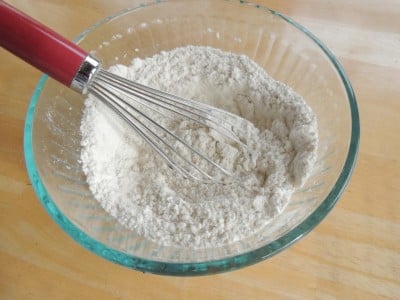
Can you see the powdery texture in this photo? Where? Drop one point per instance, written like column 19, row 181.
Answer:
column 142, row 193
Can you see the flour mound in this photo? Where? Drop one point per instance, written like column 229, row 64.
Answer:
column 139, row 189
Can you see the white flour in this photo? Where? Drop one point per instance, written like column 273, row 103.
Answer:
column 141, row 192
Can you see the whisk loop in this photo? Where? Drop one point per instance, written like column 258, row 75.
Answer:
column 141, row 106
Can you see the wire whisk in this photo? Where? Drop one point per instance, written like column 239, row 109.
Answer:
column 139, row 105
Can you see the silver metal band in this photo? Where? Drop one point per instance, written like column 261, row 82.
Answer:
column 85, row 74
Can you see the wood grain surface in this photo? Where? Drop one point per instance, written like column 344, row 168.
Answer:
column 353, row 254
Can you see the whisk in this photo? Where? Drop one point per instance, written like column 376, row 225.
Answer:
column 75, row 68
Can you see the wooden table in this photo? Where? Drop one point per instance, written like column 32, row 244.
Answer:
column 353, row 254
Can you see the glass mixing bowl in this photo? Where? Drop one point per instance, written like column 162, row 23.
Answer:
column 285, row 49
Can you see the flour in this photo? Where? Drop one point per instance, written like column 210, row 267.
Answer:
column 138, row 188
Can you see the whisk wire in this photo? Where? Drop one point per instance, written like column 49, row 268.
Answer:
column 187, row 108
column 124, row 109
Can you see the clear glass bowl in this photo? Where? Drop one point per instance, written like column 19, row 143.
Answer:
column 288, row 51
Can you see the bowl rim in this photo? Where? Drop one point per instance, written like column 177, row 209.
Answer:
column 213, row 266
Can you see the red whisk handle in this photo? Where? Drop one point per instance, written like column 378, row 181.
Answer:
column 38, row 45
